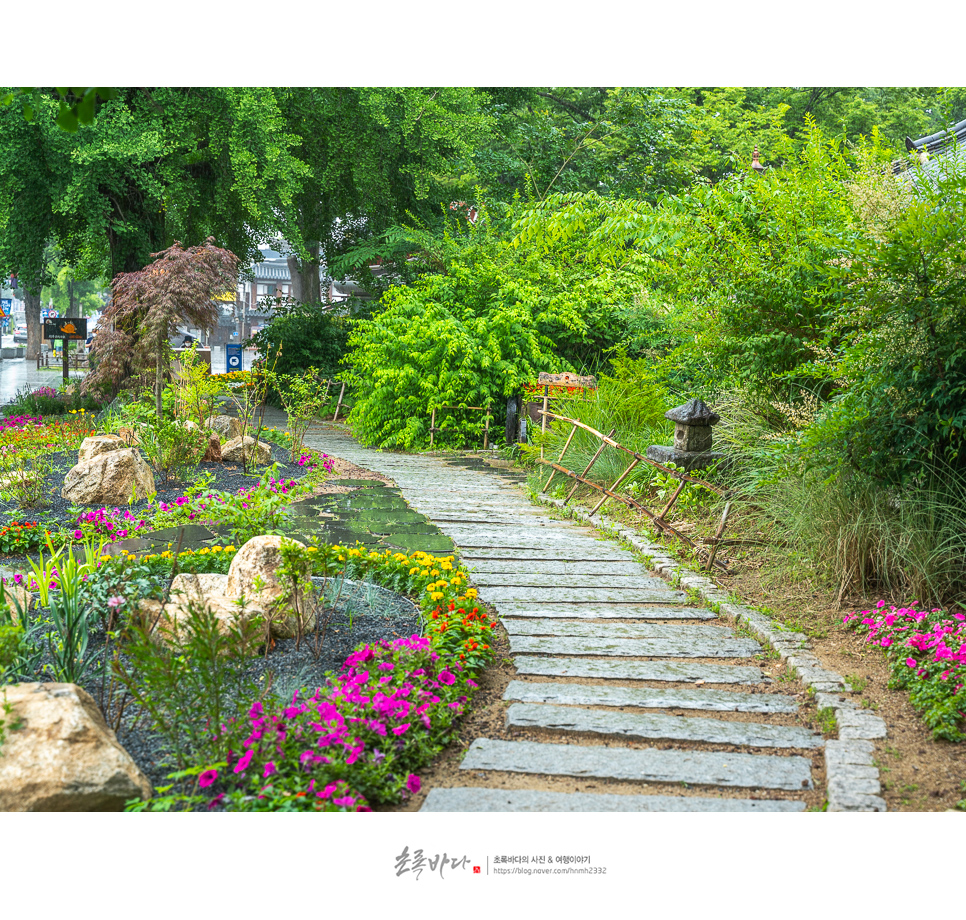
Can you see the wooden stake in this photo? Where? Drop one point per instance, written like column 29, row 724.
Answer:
column 432, row 429
column 339, row 406
column 570, row 437
column 674, row 498
column 717, row 536
column 486, row 428
column 613, row 488
column 543, row 424
column 593, row 460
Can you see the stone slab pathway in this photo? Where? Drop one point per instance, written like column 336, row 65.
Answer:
column 612, row 664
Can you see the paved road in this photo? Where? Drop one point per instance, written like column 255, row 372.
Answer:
column 619, row 679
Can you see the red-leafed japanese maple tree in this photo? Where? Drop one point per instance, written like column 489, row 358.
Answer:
column 180, row 286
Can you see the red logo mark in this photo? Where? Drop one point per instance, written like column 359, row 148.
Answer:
column 476, row 870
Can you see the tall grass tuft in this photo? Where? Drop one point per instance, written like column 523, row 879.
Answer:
column 860, row 534
column 631, row 401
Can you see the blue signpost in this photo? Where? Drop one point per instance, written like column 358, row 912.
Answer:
column 233, row 357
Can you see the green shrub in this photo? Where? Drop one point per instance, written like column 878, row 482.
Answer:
column 302, row 337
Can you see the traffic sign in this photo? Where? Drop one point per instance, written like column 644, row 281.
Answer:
column 7, row 303
column 233, row 357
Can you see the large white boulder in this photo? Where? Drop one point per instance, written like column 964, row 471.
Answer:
column 189, row 593
column 226, row 426
column 238, row 450
column 98, row 444
column 254, row 574
column 110, row 479
column 63, row 756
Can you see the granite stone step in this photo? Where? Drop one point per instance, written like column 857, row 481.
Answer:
column 565, row 694
column 595, row 611
column 659, row 671
column 554, row 567
column 634, row 648
column 682, row 632
column 538, row 579
column 475, row 799
column 707, row 768
column 600, row 552
column 655, row 595
column 659, row 725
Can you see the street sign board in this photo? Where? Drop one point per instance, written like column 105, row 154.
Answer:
column 71, row 330
column 7, row 304
column 233, row 356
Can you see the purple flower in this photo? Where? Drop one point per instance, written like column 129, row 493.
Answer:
column 269, row 769
column 243, row 763
column 207, row 778
column 78, row 534
column 413, row 783
column 446, row 677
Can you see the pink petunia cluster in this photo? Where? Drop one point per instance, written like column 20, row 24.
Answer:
column 937, row 638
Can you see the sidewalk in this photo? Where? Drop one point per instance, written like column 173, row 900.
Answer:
column 16, row 373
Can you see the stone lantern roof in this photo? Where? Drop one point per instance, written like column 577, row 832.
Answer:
column 694, row 412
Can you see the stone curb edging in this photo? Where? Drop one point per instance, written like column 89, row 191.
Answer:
column 852, row 778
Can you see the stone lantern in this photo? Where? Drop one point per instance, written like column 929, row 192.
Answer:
column 692, row 438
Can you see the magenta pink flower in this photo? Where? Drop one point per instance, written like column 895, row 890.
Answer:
column 400, row 729
column 207, row 778
column 243, row 763
column 269, row 770
column 413, row 783
column 911, row 662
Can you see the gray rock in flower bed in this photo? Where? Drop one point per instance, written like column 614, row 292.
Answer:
column 226, row 426
column 99, row 444
column 63, row 756
column 112, row 478
column 254, row 574
column 238, row 450
column 191, row 592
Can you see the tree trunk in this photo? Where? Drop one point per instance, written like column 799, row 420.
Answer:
column 32, row 317
column 305, row 275
column 73, row 308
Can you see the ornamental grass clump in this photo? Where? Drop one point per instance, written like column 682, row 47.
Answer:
column 927, row 653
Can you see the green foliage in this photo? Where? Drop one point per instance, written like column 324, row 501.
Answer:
column 302, row 337
column 760, row 271
column 903, row 364
column 189, row 692
column 474, row 336
column 172, row 449
column 29, row 402
column 25, row 477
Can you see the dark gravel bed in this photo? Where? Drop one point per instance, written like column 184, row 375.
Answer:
column 362, row 613
column 228, row 477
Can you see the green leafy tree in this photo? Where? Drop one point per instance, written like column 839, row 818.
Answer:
column 374, row 155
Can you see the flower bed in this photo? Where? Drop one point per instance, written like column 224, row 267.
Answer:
column 927, row 652
column 363, row 736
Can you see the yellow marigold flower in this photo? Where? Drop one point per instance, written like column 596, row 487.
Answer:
column 413, row 570
column 341, row 558
column 436, row 596
column 471, row 593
